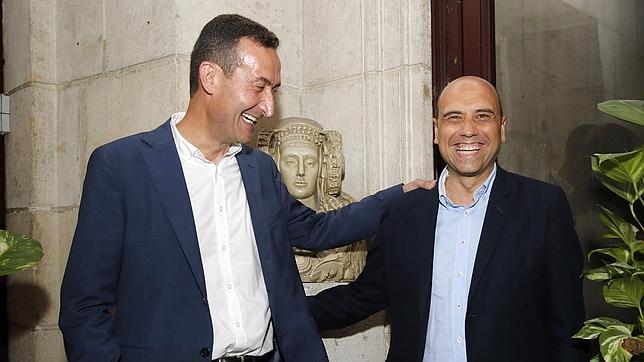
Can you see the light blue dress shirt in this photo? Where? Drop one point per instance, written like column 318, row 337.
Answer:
column 458, row 229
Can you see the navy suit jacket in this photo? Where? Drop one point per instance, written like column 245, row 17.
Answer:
column 525, row 300
column 134, row 285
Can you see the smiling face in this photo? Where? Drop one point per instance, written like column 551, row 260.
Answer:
column 469, row 129
column 239, row 100
column 299, row 164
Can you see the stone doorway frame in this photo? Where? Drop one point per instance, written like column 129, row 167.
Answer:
column 4, row 334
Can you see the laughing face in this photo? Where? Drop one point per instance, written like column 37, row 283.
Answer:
column 469, row 129
column 242, row 98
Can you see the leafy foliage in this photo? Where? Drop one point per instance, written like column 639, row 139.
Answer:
column 17, row 252
column 623, row 269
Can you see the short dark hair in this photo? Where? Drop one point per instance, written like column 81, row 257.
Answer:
column 218, row 43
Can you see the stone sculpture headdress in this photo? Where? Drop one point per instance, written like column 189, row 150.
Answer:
column 329, row 143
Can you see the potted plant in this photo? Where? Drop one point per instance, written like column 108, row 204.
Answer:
column 623, row 269
column 17, row 252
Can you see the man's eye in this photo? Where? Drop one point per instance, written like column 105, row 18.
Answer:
column 483, row 117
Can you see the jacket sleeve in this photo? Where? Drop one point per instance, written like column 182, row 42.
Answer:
column 326, row 230
column 564, row 303
column 343, row 305
column 90, row 283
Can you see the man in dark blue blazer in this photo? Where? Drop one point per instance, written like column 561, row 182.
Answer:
column 485, row 267
column 183, row 247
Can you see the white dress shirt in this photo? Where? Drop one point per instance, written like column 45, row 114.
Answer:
column 237, row 296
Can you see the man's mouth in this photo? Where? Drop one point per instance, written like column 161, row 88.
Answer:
column 249, row 119
column 467, row 148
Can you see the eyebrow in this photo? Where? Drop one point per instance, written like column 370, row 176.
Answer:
column 450, row 113
column 266, row 81
column 479, row 110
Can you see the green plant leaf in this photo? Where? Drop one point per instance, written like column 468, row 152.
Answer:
column 618, row 226
column 618, row 270
column 624, row 292
column 610, row 344
column 606, row 322
column 597, row 274
column 618, row 253
column 627, row 110
column 621, row 173
column 17, row 252
column 597, row 358
column 589, row 331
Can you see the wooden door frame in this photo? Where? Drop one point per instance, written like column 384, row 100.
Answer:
column 462, row 44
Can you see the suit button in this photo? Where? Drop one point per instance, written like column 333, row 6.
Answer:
column 205, row 301
column 205, row 352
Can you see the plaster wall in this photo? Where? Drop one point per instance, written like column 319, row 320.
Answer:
column 82, row 73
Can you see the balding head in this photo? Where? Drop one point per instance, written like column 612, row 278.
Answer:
column 455, row 86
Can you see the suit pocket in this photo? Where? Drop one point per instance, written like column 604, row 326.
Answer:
column 134, row 354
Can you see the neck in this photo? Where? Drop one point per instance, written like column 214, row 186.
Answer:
column 460, row 189
column 200, row 132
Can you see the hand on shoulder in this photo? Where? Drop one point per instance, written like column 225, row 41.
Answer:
column 419, row 183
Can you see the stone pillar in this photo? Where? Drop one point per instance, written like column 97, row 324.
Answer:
column 366, row 73
column 79, row 74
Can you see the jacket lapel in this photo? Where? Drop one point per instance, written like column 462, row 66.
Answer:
column 495, row 216
column 165, row 170
column 425, row 236
column 251, row 177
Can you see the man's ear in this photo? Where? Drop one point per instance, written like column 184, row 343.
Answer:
column 504, row 120
column 209, row 76
column 435, row 123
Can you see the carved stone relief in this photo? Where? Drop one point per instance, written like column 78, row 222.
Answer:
column 311, row 163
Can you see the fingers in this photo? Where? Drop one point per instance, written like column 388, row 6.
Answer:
column 419, row 183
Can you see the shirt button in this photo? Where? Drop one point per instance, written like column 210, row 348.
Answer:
column 462, row 242
column 460, row 273
column 458, row 305
column 229, row 286
column 237, row 324
column 205, row 352
column 224, row 248
column 459, row 340
column 221, row 209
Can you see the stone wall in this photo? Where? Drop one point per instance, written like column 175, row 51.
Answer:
column 82, row 73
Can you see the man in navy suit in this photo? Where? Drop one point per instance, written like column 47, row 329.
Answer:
column 485, row 267
column 183, row 247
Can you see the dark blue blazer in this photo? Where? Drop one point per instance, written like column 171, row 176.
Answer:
column 525, row 300
column 134, row 285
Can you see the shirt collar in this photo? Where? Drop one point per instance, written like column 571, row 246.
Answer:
column 186, row 149
column 481, row 191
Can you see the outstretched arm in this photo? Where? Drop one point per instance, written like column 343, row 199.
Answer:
column 344, row 305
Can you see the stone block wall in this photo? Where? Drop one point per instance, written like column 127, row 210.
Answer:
column 83, row 73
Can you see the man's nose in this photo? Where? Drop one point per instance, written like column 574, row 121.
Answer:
column 469, row 127
column 268, row 102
